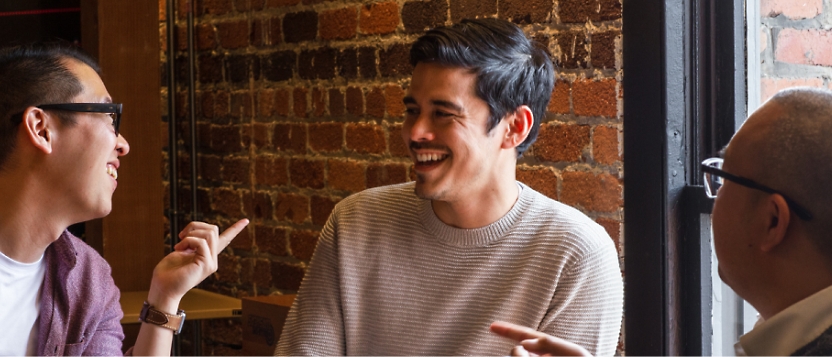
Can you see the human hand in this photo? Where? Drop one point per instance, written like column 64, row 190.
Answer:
column 536, row 343
column 193, row 259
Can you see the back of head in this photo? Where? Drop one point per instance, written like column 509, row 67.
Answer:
column 797, row 157
column 511, row 70
column 32, row 75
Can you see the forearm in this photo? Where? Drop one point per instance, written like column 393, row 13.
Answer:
column 155, row 340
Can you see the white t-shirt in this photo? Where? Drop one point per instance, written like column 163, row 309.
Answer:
column 20, row 286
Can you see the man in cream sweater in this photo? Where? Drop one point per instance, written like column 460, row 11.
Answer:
column 423, row 268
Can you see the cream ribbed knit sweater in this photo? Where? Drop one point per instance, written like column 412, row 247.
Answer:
column 389, row 278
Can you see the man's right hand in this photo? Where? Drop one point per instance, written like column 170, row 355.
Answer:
column 535, row 343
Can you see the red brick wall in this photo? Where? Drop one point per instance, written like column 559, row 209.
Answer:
column 299, row 104
column 795, row 45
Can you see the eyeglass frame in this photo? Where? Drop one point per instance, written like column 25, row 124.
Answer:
column 801, row 212
column 106, row 108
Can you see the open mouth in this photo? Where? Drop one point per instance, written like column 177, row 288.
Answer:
column 112, row 171
column 427, row 161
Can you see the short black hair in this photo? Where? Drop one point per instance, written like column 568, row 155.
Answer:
column 511, row 70
column 35, row 74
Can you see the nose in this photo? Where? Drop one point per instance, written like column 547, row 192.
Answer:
column 122, row 146
column 418, row 128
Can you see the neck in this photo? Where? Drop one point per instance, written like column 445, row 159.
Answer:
column 477, row 211
column 791, row 280
column 28, row 222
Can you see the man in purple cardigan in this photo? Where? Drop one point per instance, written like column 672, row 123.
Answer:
column 59, row 159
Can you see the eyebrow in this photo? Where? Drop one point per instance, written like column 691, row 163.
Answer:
column 438, row 103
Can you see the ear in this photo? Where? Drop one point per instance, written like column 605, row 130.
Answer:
column 519, row 125
column 39, row 128
column 778, row 217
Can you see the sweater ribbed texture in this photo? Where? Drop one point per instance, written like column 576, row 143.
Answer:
column 389, row 278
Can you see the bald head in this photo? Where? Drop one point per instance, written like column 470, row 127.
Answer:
column 789, row 142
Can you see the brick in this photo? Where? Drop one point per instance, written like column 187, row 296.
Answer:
column 394, row 101
column 595, row 97
column 355, row 101
column 339, row 24
column 222, row 104
column 260, row 135
column 236, row 169
column 291, row 208
column 541, row 179
column 810, row 47
column 163, row 10
column 613, row 228
column 226, row 139
column 278, row 66
column 228, row 269
column 259, row 206
column 605, row 145
column 396, row 143
column 280, row 3
column 247, row 133
column 318, row 102
column 307, row 173
column 206, row 37
column 385, row 174
column 345, row 175
column 270, row 171
column 286, row 276
column 256, row 272
column 210, row 167
column 271, row 240
column 216, row 7
column 321, row 209
column 347, row 63
column 243, row 241
column 365, row 138
column 418, row 16
column 395, row 61
column 206, row 102
column 181, row 38
column 299, row 101
column 336, row 102
column 242, row 68
column 303, row 244
column 227, row 202
column 291, row 137
column 258, row 4
column 770, row 86
column 580, row 11
column 603, row 49
column 256, row 33
column 525, row 12
column 561, row 142
column 600, row 193
column 792, row 9
column 326, row 137
column 379, row 18
column 469, row 9
column 367, row 62
column 573, row 52
column 376, row 103
column 242, row 5
column 234, row 34
column 275, row 32
column 266, row 103
column 559, row 103
column 313, row 2
column 300, row 26
column 281, row 102
column 209, row 69
column 242, row 105
column 317, row 64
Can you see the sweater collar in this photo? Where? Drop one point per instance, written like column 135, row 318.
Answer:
column 476, row 236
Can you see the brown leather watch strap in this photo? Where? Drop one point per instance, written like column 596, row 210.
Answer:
column 152, row 316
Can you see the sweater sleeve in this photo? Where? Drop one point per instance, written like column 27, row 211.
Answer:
column 588, row 302
column 315, row 324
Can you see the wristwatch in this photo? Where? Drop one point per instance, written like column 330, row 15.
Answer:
column 168, row 321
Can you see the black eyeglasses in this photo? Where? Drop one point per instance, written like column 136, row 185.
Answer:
column 714, row 178
column 114, row 109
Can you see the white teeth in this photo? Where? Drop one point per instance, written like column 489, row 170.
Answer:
column 430, row 157
column 112, row 171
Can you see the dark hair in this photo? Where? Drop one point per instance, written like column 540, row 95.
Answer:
column 34, row 74
column 511, row 70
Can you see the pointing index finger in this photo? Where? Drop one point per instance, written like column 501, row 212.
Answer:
column 229, row 234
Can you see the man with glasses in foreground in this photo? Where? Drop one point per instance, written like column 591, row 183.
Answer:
column 772, row 226
column 59, row 159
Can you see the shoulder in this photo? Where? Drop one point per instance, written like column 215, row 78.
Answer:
column 379, row 198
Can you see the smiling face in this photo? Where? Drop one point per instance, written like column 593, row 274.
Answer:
column 454, row 157
column 86, row 152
